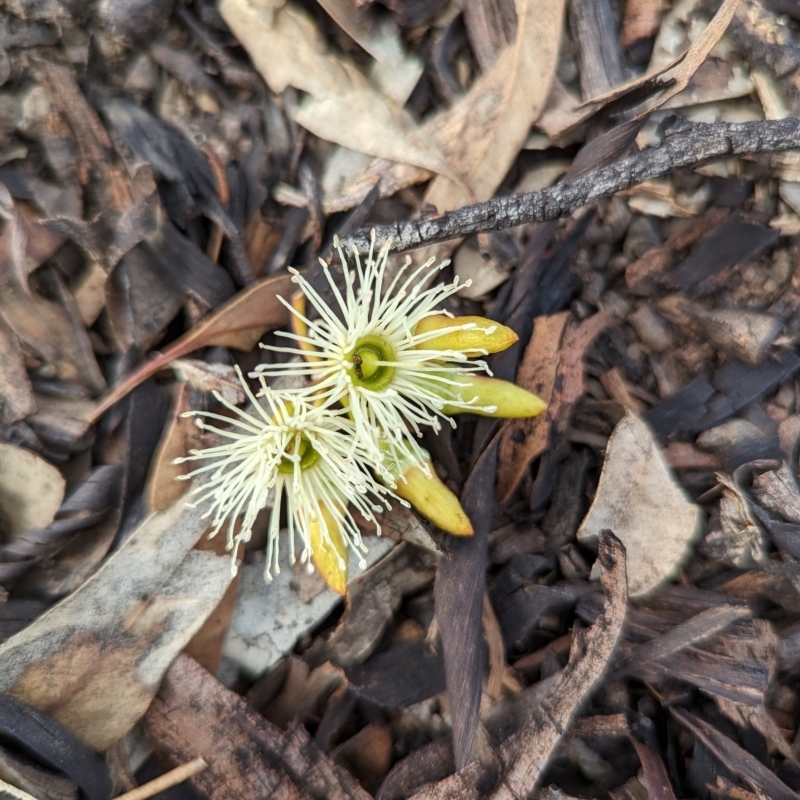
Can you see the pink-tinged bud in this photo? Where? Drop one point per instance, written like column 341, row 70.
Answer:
column 491, row 397
column 329, row 549
column 467, row 335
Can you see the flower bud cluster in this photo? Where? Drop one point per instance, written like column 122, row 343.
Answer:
column 380, row 362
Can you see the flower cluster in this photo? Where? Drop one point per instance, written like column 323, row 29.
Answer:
column 380, row 362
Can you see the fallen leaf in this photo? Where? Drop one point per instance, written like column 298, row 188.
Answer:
column 639, row 499
column 181, row 435
column 16, row 391
column 690, row 62
column 551, row 368
column 525, row 439
column 341, row 105
column 31, row 490
column 91, row 508
column 96, row 152
column 759, row 777
column 672, row 77
column 395, row 71
column 737, row 539
column 524, row 755
column 25, row 244
column 193, row 713
column 61, row 421
column 38, row 783
column 239, row 324
column 95, row 660
column 497, row 652
column 577, row 339
column 527, row 752
column 458, row 605
column 483, row 133
column 55, row 337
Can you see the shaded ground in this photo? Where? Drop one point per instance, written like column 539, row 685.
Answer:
column 160, row 168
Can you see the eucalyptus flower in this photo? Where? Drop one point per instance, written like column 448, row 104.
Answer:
column 379, row 363
column 304, row 451
column 386, row 352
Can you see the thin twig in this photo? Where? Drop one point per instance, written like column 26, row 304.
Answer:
column 685, row 144
column 165, row 781
column 9, row 790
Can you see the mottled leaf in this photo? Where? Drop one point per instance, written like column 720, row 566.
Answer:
column 95, row 660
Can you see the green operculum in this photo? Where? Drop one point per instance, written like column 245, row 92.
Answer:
column 299, row 446
column 370, row 363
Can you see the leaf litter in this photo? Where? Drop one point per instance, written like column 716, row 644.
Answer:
column 158, row 179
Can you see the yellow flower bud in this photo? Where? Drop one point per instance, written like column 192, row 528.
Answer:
column 299, row 326
column 468, row 335
column 329, row 549
column 494, row 398
column 418, row 483
column 433, row 500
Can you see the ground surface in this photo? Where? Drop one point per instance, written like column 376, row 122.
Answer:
column 162, row 164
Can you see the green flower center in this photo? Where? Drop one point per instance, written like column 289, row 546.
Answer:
column 308, row 456
column 368, row 358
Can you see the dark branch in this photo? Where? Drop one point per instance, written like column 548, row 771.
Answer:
column 685, row 145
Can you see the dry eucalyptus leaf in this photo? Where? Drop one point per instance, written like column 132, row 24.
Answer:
column 25, row 244
column 551, row 368
column 483, row 133
column 526, row 439
column 341, row 106
column 61, row 421
column 239, row 324
column 669, row 70
column 16, row 392
column 640, row 501
column 523, row 757
column 738, row 539
column 55, row 338
column 31, row 491
column 95, row 660
column 181, row 435
column 396, row 72
column 698, row 52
